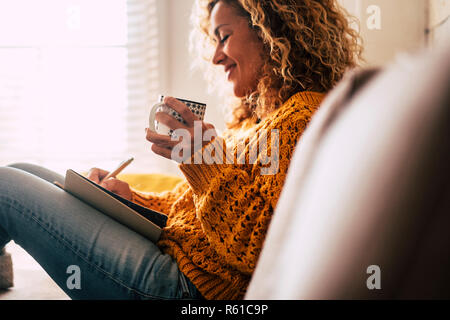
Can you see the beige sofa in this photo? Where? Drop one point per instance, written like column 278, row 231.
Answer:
column 365, row 211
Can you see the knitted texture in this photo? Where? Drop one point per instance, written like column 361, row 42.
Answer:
column 219, row 216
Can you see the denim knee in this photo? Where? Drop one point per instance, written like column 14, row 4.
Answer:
column 6, row 172
column 6, row 178
column 38, row 171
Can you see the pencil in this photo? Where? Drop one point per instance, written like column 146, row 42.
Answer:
column 119, row 169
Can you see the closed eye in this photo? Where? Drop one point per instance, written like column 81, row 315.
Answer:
column 222, row 41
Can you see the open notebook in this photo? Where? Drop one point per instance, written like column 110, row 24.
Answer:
column 144, row 221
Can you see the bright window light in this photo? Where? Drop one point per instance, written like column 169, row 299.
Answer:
column 68, row 80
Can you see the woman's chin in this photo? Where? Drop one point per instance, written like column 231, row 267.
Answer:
column 238, row 92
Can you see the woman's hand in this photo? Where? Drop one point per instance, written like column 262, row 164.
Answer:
column 163, row 145
column 117, row 186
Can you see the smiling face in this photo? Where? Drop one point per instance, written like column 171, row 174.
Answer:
column 238, row 48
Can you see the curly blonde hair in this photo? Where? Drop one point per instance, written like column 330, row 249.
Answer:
column 308, row 45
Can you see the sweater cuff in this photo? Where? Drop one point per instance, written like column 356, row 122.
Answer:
column 136, row 199
column 133, row 195
column 139, row 198
column 205, row 164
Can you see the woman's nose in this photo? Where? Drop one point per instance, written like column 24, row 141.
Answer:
column 219, row 56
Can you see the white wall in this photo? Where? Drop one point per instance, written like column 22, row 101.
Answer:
column 389, row 27
column 184, row 82
column 439, row 21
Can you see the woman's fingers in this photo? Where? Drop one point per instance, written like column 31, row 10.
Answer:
column 186, row 143
column 182, row 109
column 112, row 184
column 96, row 174
column 164, row 152
column 117, row 186
column 160, row 139
column 169, row 121
column 163, row 145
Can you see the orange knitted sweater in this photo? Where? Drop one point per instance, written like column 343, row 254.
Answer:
column 218, row 216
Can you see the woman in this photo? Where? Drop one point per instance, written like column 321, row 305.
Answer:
column 280, row 58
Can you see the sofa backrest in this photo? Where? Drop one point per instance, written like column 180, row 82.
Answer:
column 365, row 209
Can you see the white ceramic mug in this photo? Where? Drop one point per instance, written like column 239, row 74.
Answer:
column 196, row 108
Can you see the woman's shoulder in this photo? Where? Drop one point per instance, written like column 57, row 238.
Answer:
column 302, row 104
column 308, row 98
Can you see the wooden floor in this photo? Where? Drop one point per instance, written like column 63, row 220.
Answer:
column 31, row 282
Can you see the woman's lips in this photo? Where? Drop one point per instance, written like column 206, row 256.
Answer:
column 229, row 71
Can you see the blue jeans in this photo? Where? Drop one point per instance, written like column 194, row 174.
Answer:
column 88, row 254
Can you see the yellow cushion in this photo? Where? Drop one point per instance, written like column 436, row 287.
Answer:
column 154, row 182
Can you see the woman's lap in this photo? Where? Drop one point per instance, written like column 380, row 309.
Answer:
column 69, row 238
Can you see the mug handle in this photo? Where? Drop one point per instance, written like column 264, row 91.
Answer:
column 153, row 116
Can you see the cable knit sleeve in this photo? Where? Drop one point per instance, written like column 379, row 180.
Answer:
column 234, row 202
column 161, row 202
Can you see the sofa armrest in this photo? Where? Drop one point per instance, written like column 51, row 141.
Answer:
column 367, row 186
